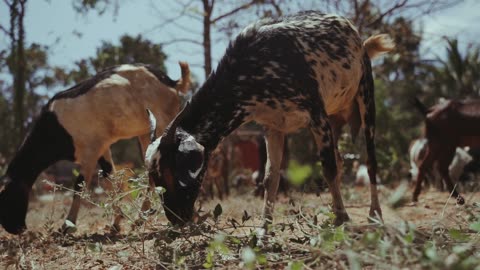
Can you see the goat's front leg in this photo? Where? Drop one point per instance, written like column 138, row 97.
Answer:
column 425, row 165
column 144, row 141
column 84, row 180
column 274, row 141
column 328, row 154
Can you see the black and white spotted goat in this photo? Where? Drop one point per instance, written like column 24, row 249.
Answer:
column 81, row 123
column 285, row 74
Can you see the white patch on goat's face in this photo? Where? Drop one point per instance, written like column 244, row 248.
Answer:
column 190, row 144
column 195, row 173
column 152, row 153
column 182, row 183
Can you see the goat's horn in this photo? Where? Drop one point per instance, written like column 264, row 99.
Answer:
column 153, row 125
column 170, row 131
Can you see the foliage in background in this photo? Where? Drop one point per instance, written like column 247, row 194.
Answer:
column 400, row 75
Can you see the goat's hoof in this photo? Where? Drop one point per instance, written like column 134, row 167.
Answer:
column 68, row 227
column 460, row 200
column 375, row 216
column 415, row 198
column 341, row 218
column 267, row 224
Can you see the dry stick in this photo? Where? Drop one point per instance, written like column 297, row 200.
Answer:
column 445, row 206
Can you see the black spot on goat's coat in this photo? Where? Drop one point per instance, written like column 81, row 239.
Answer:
column 46, row 143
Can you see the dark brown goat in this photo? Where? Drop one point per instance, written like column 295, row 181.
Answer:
column 448, row 125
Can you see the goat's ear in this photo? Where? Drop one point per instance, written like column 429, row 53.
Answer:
column 190, row 159
column 153, row 125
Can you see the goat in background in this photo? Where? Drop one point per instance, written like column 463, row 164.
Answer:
column 80, row 124
column 448, row 125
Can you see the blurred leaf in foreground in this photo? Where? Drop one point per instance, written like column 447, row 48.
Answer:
column 297, row 173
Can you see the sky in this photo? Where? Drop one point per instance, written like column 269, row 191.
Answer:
column 56, row 24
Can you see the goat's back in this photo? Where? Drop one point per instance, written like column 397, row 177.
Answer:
column 455, row 119
column 115, row 105
column 321, row 49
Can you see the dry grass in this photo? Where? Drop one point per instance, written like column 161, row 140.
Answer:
column 435, row 233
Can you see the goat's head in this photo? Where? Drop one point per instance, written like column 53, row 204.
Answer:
column 175, row 161
column 13, row 205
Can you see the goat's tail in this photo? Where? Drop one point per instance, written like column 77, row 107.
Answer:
column 378, row 44
column 184, row 83
column 420, row 106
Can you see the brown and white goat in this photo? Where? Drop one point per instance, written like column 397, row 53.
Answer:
column 81, row 123
column 448, row 125
column 285, row 74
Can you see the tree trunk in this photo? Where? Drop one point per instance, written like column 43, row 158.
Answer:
column 20, row 70
column 207, row 46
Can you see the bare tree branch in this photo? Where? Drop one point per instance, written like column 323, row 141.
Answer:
column 389, row 11
column 275, row 6
column 233, row 11
column 7, row 3
column 160, row 27
column 176, row 40
column 4, row 30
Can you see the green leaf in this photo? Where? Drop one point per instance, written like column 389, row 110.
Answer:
column 295, row 265
column 248, row 255
column 298, row 174
column 95, row 247
column 353, row 260
column 475, row 226
column 458, row 235
column 217, row 211
column 245, row 216
column 398, row 199
column 134, row 194
column 253, row 241
column 160, row 190
column 431, row 253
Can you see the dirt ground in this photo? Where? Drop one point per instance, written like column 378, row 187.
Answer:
column 93, row 247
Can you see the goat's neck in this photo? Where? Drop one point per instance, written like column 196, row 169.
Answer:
column 26, row 166
column 47, row 143
column 212, row 121
column 212, row 127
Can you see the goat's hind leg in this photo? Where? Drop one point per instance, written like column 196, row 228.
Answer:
column 443, row 165
column 120, row 185
column 274, row 140
column 328, row 152
column 366, row 105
